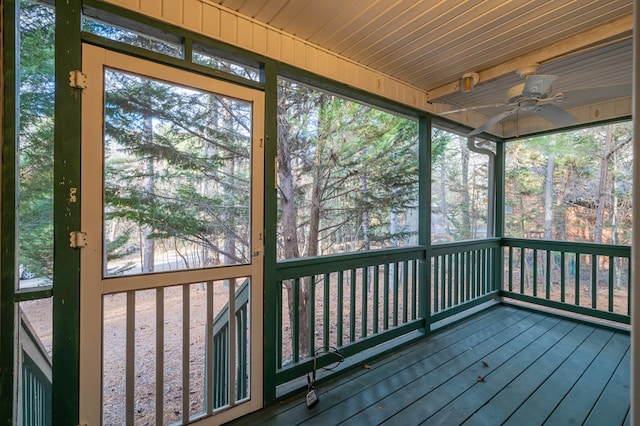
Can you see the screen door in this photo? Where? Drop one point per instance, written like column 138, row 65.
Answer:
column 171, row 244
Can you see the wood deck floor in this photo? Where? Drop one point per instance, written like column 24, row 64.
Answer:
column 504, row 366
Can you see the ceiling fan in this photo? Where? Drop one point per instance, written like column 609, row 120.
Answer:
column 534, row 95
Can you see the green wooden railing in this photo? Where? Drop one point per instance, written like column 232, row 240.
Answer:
column 221, row 336
column 357, row 301
column 352, row 302
column 462, row 276
column 35, row 384
column 36, row 395
column 583, row 278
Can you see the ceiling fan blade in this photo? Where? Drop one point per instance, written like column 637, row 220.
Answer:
column 556, row 115
column 493, row 120
column 538, row 85
column 453, row 111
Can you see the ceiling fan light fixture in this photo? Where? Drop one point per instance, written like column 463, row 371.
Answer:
column 468, row 81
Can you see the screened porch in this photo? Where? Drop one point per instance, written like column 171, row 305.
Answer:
column 422, row 211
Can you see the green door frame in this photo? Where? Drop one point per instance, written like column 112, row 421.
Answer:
column 66, row 214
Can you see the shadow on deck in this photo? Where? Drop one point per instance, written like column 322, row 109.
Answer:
column 506, row 365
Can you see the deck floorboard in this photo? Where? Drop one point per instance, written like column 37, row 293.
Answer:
column 506, row 365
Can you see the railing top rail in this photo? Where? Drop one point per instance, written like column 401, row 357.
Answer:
column 467, row 245
column 242, row 298
column 293, row 268
column 569, row 246
column 32, row 335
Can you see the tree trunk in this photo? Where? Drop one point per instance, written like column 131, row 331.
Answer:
column 394, row 221
column 229, row 214
column 614, row 220
column 366, row 238
column 149, row 190
column 313, row 242
column 603, row 187
column 314, row 213
column 548, row 197
column 443, row 195
column 464, row 190
column 289, row 221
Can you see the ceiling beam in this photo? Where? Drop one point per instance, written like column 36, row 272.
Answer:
column 590, row 39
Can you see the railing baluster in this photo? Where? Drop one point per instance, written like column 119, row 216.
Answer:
column 456, row 271
column 594, row 281
column 485, row 268
column 414, row 289
column 209, row 379
column 326, row 306
column 474, row 274
column 547, row 279
column 443, row 282
column 231, row 355
column 405, row 290
column 480, row 264
column 496, row 274
column 396, row 284
column 279, row 313
column 563, row 271
column 483, row 272
column 612, row 267
column 221, row 365
column 522, row 269
column 295, row 327
column 436, row 284
column 242, row 377
column 311, row 305
column 376, row 298
column 365, row 296
column 629, row 288
column 449, row 280
column 352, row 306
column 535, row 273
column 386, row 297
column 186, row 320
column 467, row 266
column 130, row 357
column 577, row 283
column 510, row 268
column 160, row 352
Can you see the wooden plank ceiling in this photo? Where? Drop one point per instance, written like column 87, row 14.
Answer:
column 431, row 44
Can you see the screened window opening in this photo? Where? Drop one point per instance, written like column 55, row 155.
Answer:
column 132, row 38
column 177, row 173
column 460, row 188
column 201, row 57
column 34, row 147
column 574, row 186
column 347, row 175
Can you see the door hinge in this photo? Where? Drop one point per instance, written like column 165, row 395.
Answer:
column 77, row 239
column 77, row 79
